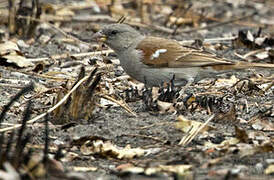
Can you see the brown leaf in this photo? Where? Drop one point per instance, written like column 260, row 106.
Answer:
column 241, row 134
column 107, row 149
column 10, row 52
column 261, row 123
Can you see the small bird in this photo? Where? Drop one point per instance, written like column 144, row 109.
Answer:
column 154, row 60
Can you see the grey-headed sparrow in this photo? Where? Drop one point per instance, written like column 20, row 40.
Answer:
column 154, row 60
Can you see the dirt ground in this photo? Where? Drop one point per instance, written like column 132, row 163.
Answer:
column 237, row 143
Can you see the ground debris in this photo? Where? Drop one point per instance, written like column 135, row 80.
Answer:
column 110, row 126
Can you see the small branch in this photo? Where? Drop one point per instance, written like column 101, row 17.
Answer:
column 217, row 24
column 54, row 27
column 61, row 56
column 145, row 136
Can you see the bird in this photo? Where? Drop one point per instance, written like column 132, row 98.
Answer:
column 155, row 60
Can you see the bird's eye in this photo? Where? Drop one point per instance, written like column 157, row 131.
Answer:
column 113, row 32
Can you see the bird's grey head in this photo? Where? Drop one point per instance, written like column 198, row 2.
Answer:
column 118, row 37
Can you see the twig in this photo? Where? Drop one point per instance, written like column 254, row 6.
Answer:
column 155, row 124
column 189, row 137
column 54, row 27
column 217, row 24
column 251, row 53
column 61, row 56
column 269, row 86
column 123, row 105
column 93, row 18
column 11, row 85
column 49, row 77
column 246, row 106
column 209, row 93
column 144, row 136
column 50, row 109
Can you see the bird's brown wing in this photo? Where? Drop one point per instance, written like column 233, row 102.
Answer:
column 176, row 56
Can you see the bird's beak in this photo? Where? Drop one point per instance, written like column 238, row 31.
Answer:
column 99, row 36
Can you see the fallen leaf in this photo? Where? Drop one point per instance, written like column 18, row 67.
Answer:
column 186, row 125
column 250, row 36
column 107, row 149
column 182, row 169
column 269, row 169
column 261, row 123
column 165, row 107
column 84, row 169
column 10, row 52
column 262, row 55
column 178, row 169
column 40, row 88
column 241, row 134
column 226, row 82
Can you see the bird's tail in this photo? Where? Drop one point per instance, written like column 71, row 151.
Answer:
column 242, row 65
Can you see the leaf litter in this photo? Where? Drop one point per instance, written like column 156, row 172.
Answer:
column 127, row 129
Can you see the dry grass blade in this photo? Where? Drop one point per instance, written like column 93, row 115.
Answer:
column 54, row 27
column 62, row 56
column 218, row 24
column 193, row 133
column 26, row 89
column 122, row 104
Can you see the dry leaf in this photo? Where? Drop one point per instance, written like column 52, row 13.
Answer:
column 186, row 125
column 133, row 169
column 84, row 169
column 260, row 40
column 248, row 150
column 250, row 36
column 269, row 169
column 181, row 169
column 40, row 88
column 10, row 52
column 178, row 169
column 231, row 141
column 105, row 102
column 226, row 82
column 70, row 156
column 261, row 123
column 165, row 107
column 262, row 55
column 241, row 135
column 110, row 150
column 9, row 172
column 103, row 2
column 64, row 12
column 226, row 143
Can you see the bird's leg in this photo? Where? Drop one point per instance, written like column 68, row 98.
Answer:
column 168, row 92
column 145, row 82
column 172, row 81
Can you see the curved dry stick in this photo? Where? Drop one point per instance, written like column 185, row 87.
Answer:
column 50, row 109
column 123, row 105
column 60, row 56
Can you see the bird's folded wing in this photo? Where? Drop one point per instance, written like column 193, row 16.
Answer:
column 169, row 53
